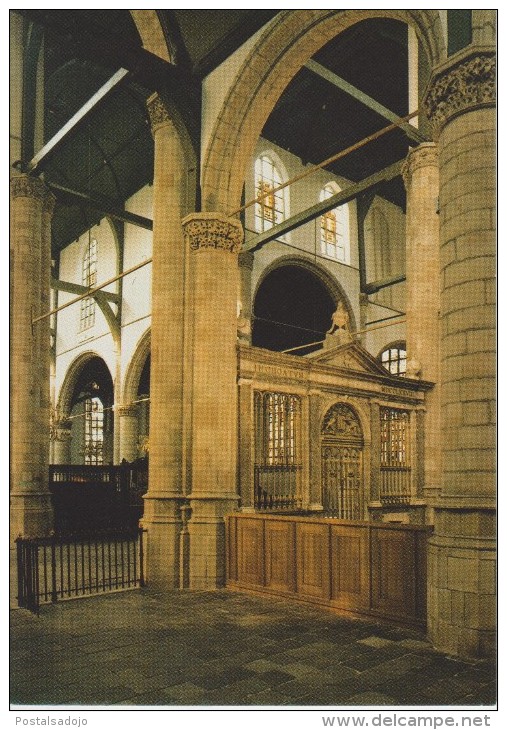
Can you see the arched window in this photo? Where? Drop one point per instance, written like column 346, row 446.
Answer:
column 89, row 279
column 94, row 431
column 334, row 228
column 270, row 209
column 394, row 358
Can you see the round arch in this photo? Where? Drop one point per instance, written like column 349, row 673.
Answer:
column 333, row 286
column 293, row 305
column 292, row 39
column 135, row 368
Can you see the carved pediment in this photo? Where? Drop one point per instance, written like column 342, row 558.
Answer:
column 351, row 356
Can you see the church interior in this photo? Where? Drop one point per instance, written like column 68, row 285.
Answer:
column 253, row 305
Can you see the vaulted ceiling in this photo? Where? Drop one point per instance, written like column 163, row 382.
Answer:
column 110, row 156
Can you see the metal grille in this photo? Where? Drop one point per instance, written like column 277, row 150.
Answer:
column 56, row 568
column 341, row 481
column 277, row 468
column 395, row 467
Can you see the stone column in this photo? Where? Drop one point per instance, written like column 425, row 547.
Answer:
column 373, row 497
column 61, row 442
column 127, row 422
column 461, row 605
column 31, row 209
column 421, row 177
column 245, row 260
column 162, row 516
column 246, row 443
column 214, row 242
column 316, row 415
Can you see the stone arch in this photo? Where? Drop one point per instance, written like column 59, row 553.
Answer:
column 64, row 402
column 135, row 368
column 333, row 286
column 152, row 33
column 290, row 40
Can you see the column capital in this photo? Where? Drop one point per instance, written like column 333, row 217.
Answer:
column 27, row 186
column 465, row 82
column 425, row 155
column 157, row 112
column 130, row 409
column 212, row 231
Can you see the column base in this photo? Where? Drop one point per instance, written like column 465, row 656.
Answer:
column 462, row 583
column 207, row 540
column 163, row 525
column 31, row 515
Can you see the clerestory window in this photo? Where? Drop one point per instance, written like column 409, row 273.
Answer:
column 334, row 233
column 270, row 206
column 89, row 279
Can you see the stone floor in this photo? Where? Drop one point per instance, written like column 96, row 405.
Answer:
column 224, row 648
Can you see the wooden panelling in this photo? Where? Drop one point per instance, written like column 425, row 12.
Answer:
column 362, row 567
column 393, row 557
column 312, row 545
column 250, row 552
column 350, row 567
column 280, row 564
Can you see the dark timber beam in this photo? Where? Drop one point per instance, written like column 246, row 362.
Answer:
column 89, row 41
column 411, row 132
column 76, row 122
column 363, row 204
column 345, row 196
column 72, row 288
column 103, row 299
column 101, row 206
column 376, row 286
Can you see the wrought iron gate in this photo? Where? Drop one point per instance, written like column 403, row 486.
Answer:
column 342, row 463
column 341, row 481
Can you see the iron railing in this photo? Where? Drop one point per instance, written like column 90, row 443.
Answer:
column 62, row 567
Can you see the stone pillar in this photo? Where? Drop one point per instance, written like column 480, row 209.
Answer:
column 31, row 209
column 245, row 260
column 214, row 242
column 61, row 442
column 316, row 415
column 246, row 444
column 127, row 422
column 461, row 603
column 162, row 515
column 421, row 179
column 373, row 497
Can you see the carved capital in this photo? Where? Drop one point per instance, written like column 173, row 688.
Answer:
column 157, row 112
column 425, row 155
column 127, row 410
column 464, row 83
column 26, row 186
column 212, row 231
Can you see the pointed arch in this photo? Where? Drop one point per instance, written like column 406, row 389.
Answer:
column 286, row 45
column 135, row 368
